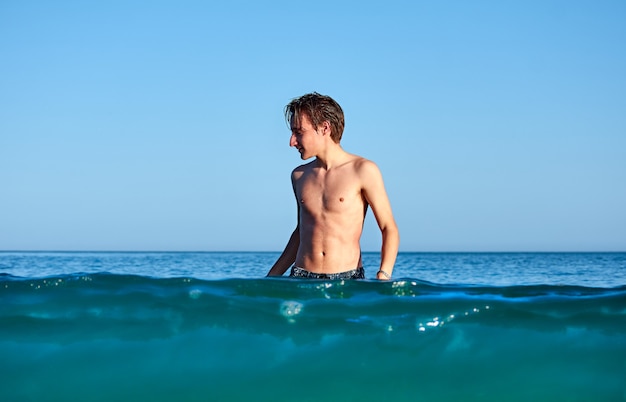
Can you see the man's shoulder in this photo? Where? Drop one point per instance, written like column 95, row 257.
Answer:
column 300, row 170
column 362, row 164
column 304, row 167
column 366, row 169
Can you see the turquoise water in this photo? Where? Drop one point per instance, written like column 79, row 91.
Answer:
column 491, row 327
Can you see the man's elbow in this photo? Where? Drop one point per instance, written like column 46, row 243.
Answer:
column 391, row 231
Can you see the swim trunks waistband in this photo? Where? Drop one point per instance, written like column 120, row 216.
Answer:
column 297, row 272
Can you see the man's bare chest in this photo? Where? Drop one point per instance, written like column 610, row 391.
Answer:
column 329, row 193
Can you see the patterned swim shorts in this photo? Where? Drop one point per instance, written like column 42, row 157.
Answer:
column 297, row 272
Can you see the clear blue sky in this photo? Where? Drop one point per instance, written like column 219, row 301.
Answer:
column 157, row 125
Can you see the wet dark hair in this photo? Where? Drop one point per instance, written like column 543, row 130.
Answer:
column 318, row 108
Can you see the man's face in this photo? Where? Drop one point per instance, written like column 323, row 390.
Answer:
column 304, row 137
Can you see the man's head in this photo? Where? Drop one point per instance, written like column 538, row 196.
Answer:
column 318, row 108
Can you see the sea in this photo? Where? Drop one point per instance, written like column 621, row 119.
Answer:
column 209, row 326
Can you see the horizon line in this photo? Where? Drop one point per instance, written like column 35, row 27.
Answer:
column 279, row 251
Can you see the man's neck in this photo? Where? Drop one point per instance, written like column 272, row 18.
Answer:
column 334, row 155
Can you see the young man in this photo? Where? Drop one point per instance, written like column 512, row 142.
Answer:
column 333, row 193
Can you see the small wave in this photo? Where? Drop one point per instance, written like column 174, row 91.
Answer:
column 146, row 303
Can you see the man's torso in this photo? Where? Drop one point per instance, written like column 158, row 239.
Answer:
column 331, row 213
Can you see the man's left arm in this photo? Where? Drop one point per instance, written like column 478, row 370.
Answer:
column 376, row 195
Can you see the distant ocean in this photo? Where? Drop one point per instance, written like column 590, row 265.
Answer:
column 104, row 326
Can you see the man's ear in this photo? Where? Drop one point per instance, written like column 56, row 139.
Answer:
column 324, row 127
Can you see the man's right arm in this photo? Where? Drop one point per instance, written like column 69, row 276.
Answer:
column 288, row 257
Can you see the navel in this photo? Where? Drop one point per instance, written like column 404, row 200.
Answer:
column 341, row 199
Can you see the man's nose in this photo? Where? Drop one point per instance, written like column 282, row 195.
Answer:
column 292, row 141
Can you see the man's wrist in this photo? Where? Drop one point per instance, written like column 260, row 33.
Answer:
column 383, row 273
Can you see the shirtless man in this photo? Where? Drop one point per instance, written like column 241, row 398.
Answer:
column 333, row 193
